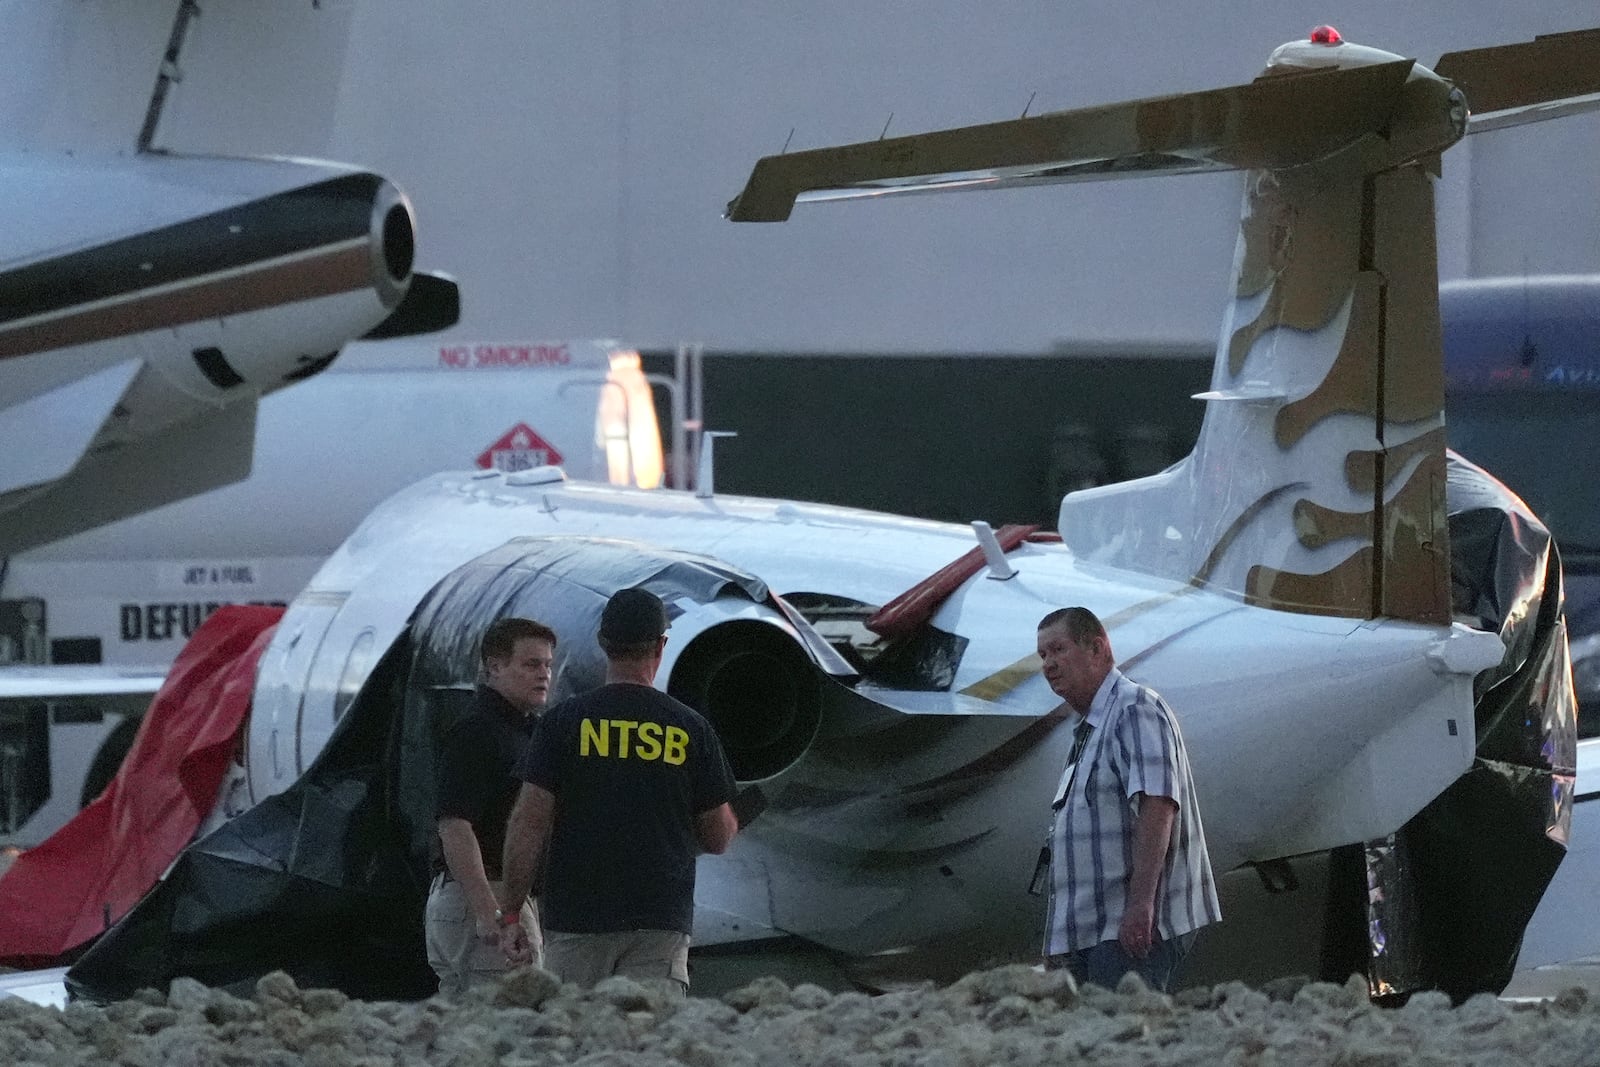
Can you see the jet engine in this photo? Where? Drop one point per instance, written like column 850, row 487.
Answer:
column 147, row 303
column 735, row 653
column 753, row 680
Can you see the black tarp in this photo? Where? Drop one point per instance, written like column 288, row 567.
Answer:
column 328, row 879
column 1449, row 896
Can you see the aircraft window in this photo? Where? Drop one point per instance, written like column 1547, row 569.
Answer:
column 357, row 665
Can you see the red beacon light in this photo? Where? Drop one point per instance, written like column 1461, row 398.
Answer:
column 1326, row 35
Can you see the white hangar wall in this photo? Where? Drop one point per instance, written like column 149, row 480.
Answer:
column 569, row 163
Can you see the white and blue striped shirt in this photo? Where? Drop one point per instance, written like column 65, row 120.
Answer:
column 1135, row 747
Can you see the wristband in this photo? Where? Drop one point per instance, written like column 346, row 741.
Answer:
column 507, row 918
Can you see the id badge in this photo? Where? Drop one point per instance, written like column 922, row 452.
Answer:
column 1065, row 785
column 1041, row 872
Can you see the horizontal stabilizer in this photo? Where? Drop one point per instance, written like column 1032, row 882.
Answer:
column 44, row 436
column 432, row 303
column 1511, row 85
column 1261, row 124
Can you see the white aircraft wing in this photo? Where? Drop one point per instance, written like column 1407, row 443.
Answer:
column 170, row 251
column 76, row 681
column 44, row 436
column 46, row 987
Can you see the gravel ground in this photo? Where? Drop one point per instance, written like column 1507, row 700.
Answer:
column 1012, row 1015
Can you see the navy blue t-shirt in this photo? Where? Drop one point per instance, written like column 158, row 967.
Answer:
column 630, row 768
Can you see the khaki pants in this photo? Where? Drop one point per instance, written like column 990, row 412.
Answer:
column 455, row 952
column 661, row 956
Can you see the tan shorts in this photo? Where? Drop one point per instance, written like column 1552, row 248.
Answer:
column 455, row 952
column 660, row 955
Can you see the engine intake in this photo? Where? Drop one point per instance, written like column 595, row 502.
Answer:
column 759, row 690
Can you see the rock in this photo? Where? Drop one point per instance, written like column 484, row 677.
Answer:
column 765, row 991
column 322, row 1001
column 985, row 987
column 1428, row 1000
column 809, row 997
column 153, row 1020
column 187, row 994
column 625, row 994
column 526, row 987
column 1325, row 996
column 1571, row 1001
column 277, row 988
column 1285, row 989
column 1005, row 1016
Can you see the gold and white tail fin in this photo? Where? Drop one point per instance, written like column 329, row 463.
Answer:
column 1317, row 484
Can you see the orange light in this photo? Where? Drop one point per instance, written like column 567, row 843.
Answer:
column 1326, row 35
column 626, row 425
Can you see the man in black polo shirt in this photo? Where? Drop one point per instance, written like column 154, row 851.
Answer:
column 476, row 790
column 625, row 787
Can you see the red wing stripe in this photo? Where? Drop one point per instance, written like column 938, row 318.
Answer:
column 912, row 609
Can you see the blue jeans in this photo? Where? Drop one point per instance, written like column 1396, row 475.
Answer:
column 1105, row 964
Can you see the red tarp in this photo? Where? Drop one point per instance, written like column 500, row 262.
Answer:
column 57, row 897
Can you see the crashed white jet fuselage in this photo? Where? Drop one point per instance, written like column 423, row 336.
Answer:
column 1305, row 732
column 1288, row 587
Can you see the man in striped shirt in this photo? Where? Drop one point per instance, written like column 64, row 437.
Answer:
column 1130, row 880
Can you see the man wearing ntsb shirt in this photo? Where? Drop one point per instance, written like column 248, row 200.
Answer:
column 624, row 787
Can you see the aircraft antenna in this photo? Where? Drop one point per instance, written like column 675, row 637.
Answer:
column 704, row 480
column 886, row 125
column 1029, row 104
column 786, row 141
column 994, row 553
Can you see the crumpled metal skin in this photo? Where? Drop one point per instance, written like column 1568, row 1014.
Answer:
column 327, row 880
column 1449, row 895
column 562, row 582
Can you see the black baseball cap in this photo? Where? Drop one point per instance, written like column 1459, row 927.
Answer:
column 632, row 617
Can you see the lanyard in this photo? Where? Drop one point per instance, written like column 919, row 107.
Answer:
column 1080, row 739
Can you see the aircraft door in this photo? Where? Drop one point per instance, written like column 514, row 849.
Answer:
column 273, row 750
column 338, row 669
